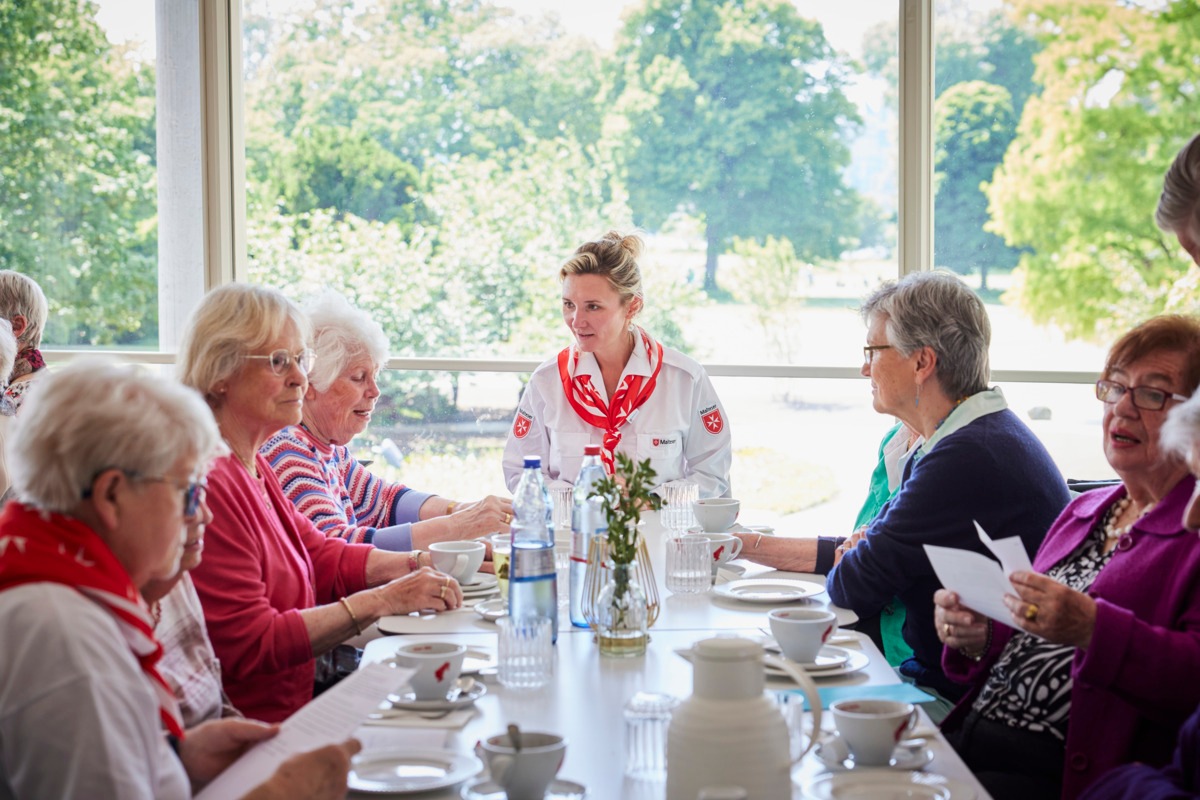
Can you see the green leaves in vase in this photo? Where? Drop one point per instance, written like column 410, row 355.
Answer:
column 626, row 494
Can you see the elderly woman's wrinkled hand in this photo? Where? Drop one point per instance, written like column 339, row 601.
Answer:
column 318, row 774
column 959, row 627
column 212, row 746
column 1044, row 607
column 490, row 515
column 423, row 590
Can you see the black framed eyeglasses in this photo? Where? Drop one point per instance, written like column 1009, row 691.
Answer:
column 1144, row 397
column 194, row 491
column 280, row 360
column 870, row 350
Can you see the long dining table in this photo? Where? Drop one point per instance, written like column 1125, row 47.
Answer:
column 585, row 698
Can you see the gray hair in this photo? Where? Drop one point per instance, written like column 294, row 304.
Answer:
column 21, row 295
column 229, row 323
column 1179, row 203
column 8, row 350
column 94, row 415
column 937, row 310
column 341, row 334
column 1180, row 434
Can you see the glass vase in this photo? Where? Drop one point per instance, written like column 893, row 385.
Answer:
column 621, row 618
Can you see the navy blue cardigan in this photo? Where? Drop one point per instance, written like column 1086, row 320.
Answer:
column 993, row 470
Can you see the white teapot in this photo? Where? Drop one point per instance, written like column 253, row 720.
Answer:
column 729, row 733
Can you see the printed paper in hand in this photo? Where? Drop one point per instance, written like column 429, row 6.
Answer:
column 328, row 719
column 979, row 581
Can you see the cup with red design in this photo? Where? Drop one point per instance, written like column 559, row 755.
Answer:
column 802, row 632
column 872, row 729
column 725, row 547
column 437, row 666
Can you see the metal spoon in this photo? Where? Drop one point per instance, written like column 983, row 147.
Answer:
column 514, row 736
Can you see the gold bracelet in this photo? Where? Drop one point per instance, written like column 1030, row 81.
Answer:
column 758, row 541
column 353, row 617
column 450, row 507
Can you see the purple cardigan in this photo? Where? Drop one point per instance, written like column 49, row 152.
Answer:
column 1179, row 781
column 1140, row 678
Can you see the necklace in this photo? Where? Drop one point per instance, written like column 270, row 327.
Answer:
column 247, row 463
column 1118, row 509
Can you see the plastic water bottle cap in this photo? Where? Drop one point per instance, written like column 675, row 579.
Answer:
column 591, row 450
column 534, row 462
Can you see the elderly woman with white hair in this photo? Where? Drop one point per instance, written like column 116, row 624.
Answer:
column 109, row 470
column 326, row 482
column 276, row 591
column 927, row 359
column 24, row 305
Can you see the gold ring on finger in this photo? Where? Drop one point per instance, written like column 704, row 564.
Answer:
column 946, row 630
column 442, row 593
column 1031, row 612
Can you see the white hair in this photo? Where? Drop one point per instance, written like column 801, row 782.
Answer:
column 21, row 295
column 341, row 334
column 1180, row 434
column 95, row 414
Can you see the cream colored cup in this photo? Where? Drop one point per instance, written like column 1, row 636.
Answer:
column 872, row 729
column 802, row 632
column 716, row 514
column 459, row 560
column 437, row 666
column 524, row 774
column 725, row 547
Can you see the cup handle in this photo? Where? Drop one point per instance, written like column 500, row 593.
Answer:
column 498, row 767
column 737, row 549
column 809, row 688
column 460, row 561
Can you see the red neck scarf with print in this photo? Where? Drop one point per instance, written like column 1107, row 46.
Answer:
column 629, row 396
column 52, row 548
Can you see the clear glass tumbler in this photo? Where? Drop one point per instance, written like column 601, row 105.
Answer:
column 678, row 496
column 647, row 717
column 525, row 652
column 688, row 564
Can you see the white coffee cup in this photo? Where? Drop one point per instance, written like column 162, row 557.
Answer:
column 872, row 729
column 716, row 514
column 524, row 774
column 459, row 560
column 802, row 632
column 437, row 666
column 725, row 547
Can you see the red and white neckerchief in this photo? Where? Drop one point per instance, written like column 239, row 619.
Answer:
column 52, row 548
column 629, row 396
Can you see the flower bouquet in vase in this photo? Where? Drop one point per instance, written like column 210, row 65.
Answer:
column 620, row 596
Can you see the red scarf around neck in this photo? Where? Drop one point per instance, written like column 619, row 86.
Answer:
column 52, row 548
column 629, row 396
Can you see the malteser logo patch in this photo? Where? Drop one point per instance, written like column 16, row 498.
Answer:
column 713, row 423
column 664, row 442
column 522, row 424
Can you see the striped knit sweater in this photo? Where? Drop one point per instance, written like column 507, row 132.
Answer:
column 342, row 497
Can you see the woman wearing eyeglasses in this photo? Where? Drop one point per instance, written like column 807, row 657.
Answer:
column 1097, row 665
column 276, row 591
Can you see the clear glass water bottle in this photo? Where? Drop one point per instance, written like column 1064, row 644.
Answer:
column 532, row 581
column 587, row 520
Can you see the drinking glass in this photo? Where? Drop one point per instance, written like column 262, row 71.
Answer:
column 647, row 717
column 678, row 497
column 688, row 564
column 525, row 652
column 501, row 548
column 562, row 501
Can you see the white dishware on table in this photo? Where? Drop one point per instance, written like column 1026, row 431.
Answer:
column 524, row 768
column 491, row 610
column 871, row 729
column 465, row 692
column 459, row 560
column 909, row 754
column 885, row 784
column 716, row 514
column 410, row 771
column 768, row 590
column 724, row 547
column 854, row 661
column 802, row 632
column 559, row 789
column 437, row 665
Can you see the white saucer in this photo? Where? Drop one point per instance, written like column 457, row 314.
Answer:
column 409, row 702
column 476, row 660
column 834, row 754
column 768, row 590
column 410, row 771
column 886, row 784
column 856, row 661
column 487, row 789
column 493, row 609
column 828, row 658
column 481, row 581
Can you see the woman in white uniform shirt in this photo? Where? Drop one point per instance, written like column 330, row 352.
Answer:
column 662, row 407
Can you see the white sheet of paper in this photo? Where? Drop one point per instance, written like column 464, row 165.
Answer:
column 978, row 580
column 328, row 719
column 1010, row 551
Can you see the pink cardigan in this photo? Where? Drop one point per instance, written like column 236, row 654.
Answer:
column 263, row 562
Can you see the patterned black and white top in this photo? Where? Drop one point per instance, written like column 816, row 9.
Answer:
column 1029, row 686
